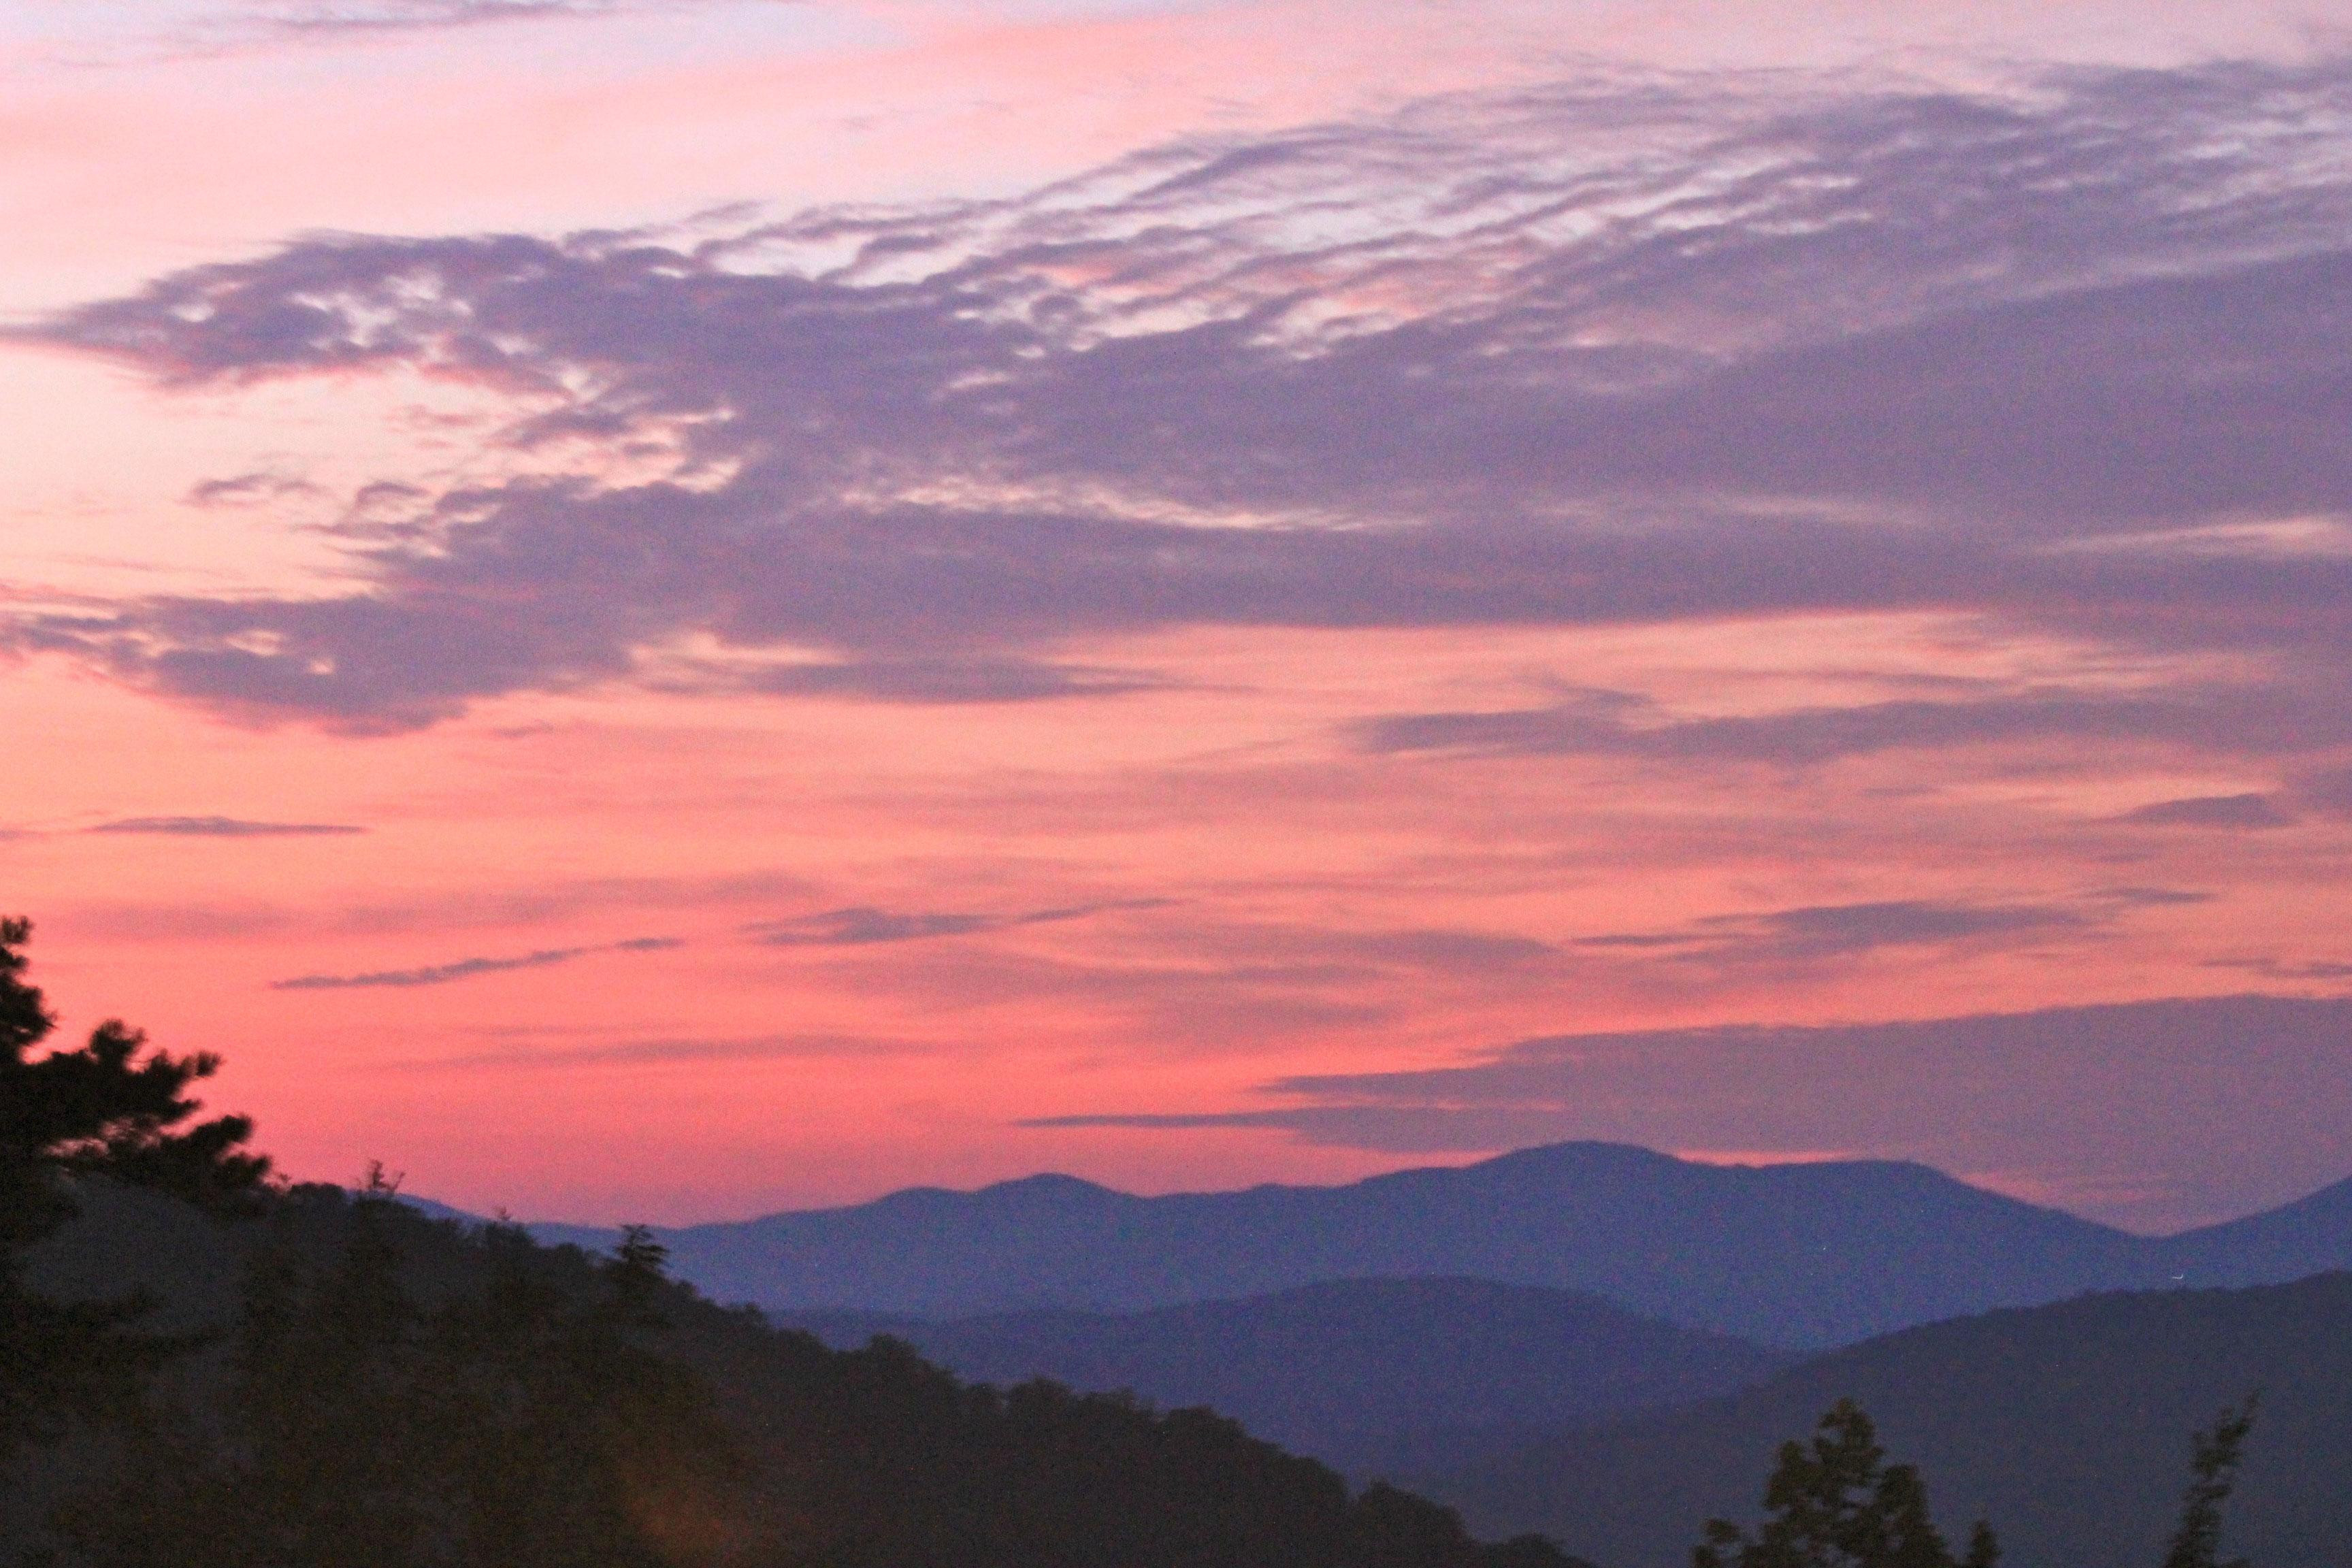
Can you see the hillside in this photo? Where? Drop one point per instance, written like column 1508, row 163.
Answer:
column 852, row 1459
column 1371, row 1376
column 2066, row 1425
column 1795, row 1256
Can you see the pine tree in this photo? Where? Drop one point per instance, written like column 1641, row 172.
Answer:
column 2216, row 1453
column 1836, row 1503
column 109, row 1111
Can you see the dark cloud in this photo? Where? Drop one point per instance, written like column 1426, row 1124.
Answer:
column 1456, row 951
column 1830, row 930
column 248, row 489
column 372, row 14
column 1621, row 725
column 2212, row 811
column 1843, row 931
column 865, row 927
column 2202, row 1107
column 2281, row 969
column 325, row 20
column 1621, row 349
column 940, row 681
column 2152, row 898
column 224, row 827
column 466, row 968
column 2330, row 791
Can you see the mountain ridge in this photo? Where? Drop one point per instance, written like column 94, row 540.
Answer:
column 1793, row 1256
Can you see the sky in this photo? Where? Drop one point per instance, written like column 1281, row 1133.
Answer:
column 668, row 609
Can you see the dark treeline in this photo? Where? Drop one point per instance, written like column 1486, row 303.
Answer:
column 383, row 1391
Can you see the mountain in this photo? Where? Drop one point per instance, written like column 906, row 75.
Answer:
column 2310, row 1236
column 1794, row 1255
column 1374, row 1376
column 2066, row 1425
column 1797, row 1256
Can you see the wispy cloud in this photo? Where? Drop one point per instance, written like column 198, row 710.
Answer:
column 224, row 827
column 248, row 489
column 2287, row 969
column 2212, row 811
column 467, row 968
column 382, row 16
column 940, row 682
column 1821, row 931
column 2249, row 717
column 865, row 927
column 678, row 1052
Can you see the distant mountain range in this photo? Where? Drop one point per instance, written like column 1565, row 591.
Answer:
column 1795, row 1257
column 1373, row 1376
column 2066, row 1425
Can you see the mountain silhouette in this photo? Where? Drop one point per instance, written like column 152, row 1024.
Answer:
column 1375, row 1376
column 2065, row 1426
column 1801, row 1256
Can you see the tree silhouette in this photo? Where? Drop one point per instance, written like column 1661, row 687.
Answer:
column 111, row 1110
column 526, row 1422
column 2216, row 1453
column 1836, row 1503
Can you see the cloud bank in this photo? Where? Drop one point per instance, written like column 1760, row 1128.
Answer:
column 2074, row 358
column 2001, row 1096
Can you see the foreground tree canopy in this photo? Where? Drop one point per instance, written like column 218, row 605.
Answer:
column 1836, row 1503
column 110, row 1110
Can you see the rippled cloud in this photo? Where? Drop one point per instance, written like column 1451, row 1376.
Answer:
column 1630, row 349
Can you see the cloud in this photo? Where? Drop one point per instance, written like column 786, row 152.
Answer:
column 867, row 927
column 235, row 27
column 372, row 15
column 1625, row 349
column 2212, row 811
column 1815, row 932
column 679, row 1052
column 223, row 827
column 2204, row 1107
column 1600, row 723
column 940, row 682
column 2329, row 792
column 2281, row 969
column 248, row 489
column 489, row 908
column 1454, row 951
column 466, row 968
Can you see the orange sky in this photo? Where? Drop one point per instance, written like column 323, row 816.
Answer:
column 877, row 936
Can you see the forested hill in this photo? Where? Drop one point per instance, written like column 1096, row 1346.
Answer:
column 397, row 1391
column 2065, row 1426
column 1371, row 1375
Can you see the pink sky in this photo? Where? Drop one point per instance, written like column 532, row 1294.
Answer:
column 1499, row 522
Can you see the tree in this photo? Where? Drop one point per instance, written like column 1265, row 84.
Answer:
column 2216, row 1453
column 1836, row 1503
column 113, row 1109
